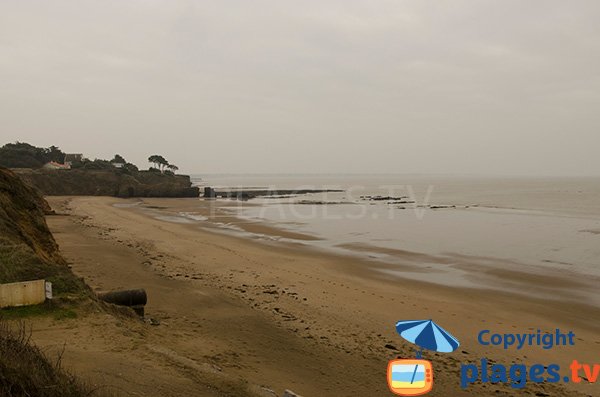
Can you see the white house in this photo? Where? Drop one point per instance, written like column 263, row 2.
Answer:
column 53, row 165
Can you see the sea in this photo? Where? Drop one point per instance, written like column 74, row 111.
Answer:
column 452, row 229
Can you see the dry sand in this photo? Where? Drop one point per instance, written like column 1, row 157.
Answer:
column 274, row 314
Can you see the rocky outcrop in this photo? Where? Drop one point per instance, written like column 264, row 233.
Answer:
column 108, row 183
column 250, row 194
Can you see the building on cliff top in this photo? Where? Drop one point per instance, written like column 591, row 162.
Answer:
column 53, row 165
column 72, row 157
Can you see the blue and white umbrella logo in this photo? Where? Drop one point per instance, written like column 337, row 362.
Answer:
column 427, row 335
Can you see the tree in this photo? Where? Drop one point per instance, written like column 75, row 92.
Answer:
column 24, row 155
column 162, row 162
column 159, row 161
column 173, row 167
column 98, row 164
column 118, row 159
column 53, row 153
column 154, row 160
column 130, row 168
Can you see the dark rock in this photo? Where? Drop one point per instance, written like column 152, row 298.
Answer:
column 250, row 194
column 78, row 182
column 209, row 192
column 386, row 198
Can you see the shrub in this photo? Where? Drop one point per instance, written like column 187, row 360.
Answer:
column 26, row 371
column 24, row 155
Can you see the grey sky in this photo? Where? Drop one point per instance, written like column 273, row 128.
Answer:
column 504, row 87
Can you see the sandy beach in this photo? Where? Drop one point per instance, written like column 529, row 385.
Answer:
column 300, row 199
column 274, row 314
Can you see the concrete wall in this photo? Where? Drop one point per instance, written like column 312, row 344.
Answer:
column 21, row 294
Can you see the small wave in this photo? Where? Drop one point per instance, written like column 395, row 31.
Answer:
column 126, row 205
column 173, row 219
column 193, row 216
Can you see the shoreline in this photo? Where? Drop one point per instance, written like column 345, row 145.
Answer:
column 503, row 275
column 379, row 270
column 329, row 307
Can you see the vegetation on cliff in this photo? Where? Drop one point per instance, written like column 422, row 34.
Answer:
column 77, row 175
column 28, row 250
column 162, row 164
column 24, row 155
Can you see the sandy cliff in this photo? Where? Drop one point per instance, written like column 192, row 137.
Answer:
column 28, row 250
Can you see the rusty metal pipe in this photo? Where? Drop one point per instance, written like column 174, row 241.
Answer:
column 131, row 297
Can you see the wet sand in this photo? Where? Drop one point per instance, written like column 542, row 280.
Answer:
column 279, row 314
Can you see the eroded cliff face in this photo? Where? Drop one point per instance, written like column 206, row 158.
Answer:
column 108, row 183
column 22, row 211
column 28, row 250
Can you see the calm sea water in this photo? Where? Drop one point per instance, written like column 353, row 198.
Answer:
column 547, row 225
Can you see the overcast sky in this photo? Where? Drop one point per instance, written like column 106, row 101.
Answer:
column 499, row 87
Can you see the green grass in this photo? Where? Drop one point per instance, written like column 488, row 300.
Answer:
column 42, row 310
column 64, row 314
column 18, row 262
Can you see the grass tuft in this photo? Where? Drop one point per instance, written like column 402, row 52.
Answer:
column 44, row 309
column 26, row 371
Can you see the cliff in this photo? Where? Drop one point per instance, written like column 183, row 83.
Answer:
column 28, row 250
column 116, row 183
